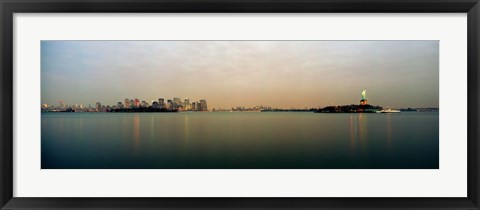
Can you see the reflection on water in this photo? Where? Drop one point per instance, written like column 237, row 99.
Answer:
column 136, row 131
column 389, row 129
column 358, row 131
column 353, row 133
column 239, row 140
column 361, row 129
column 186, row 131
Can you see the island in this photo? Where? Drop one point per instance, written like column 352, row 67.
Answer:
column 363, row 107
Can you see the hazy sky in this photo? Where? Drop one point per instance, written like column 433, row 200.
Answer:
column 227, row 74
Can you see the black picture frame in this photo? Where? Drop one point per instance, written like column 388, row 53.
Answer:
column 9, row 7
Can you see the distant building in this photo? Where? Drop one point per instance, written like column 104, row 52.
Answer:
column 136, row 103
column 170, row 105
column 186, row 104
column 119, row 105
column 193, row 106
column 161, row 103
column 127, row 103
column 199, row 107
column 98, row 107
column 203, row 105
column 177, row 103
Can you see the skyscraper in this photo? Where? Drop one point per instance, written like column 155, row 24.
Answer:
column 177, row 103
column 203, row 105
column 127, row 103
column 170, row 105
column 98, row 106
column 136, row 103
column 119, row 105
column 194, row 106
column 199, row 107
column 186, row 104
column 161, row 103
column 155, row 105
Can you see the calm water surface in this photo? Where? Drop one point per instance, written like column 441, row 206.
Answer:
column 240, row 140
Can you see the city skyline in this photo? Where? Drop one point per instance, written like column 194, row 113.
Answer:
column 175, row 104
column 284, row 74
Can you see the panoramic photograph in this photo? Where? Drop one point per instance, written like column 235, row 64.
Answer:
column 239, row 104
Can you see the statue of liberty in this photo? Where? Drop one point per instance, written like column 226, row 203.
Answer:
column 364, row 97
column 364, row 94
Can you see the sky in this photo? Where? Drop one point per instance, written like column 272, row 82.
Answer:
column 281, row 74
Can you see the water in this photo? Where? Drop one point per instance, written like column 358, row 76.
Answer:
column 240, row 140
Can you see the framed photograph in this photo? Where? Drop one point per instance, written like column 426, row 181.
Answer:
column 239, row 105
